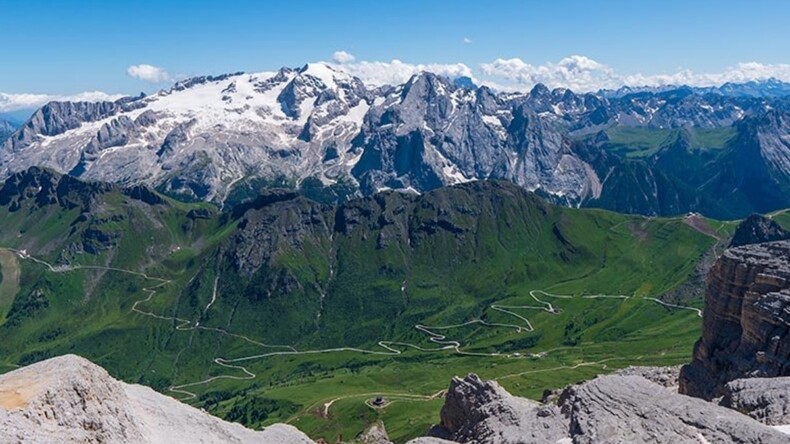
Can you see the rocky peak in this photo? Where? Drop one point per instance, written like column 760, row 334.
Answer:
column 757, row 229
column 46, row 187
column 540, row 92
column 55, row 118
column 746, row 322
column 182, row 85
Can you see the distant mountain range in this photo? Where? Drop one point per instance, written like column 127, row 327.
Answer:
column 721, row 151
column 770, row 88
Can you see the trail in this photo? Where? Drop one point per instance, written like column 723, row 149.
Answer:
column 698, row 223
column 391, row 397
column 776, row 213
column 387, row 348
column 682, row 307
column 564, row 367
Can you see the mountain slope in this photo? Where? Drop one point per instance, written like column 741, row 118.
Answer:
column 6, row 130
column 726, row 173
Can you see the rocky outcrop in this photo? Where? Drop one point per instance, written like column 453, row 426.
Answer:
column 608, row 409
column 70, row 400
column 746, row 323
column 663, row 376
column 764, row 399
column 757, row 229
column 375, row 434
column 482, row 411
column 624, row 409
column 45, row 187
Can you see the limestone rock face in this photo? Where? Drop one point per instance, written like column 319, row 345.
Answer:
column 625, row 409
column 619, row 408
column 68, row 399
column 764, row 399
column 482, row 411
column 663, row 376
column 746, row 323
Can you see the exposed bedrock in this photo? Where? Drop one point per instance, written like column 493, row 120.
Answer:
column 746, row 323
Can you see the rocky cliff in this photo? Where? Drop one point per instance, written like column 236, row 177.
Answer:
column 70, row 400
column 746, row 323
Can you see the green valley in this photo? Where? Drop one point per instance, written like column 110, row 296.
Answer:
column 284, row 309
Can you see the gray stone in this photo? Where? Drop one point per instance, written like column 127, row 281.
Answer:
column 68, row 399
column 764, row 399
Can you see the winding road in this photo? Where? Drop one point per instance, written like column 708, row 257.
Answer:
column 388, row 348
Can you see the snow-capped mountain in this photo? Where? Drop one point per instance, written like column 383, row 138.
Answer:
column 204, row 134
column 207, row 136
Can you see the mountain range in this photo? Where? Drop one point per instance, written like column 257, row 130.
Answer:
column 323, row 131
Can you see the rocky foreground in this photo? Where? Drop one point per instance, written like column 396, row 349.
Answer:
column 619, row 408
column 68, row 399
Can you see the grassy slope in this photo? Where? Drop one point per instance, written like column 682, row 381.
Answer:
column 634, row 142
column 514, row 250
column 613, row 254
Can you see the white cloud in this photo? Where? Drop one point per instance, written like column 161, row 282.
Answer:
column 149, row 73
column 467, row 40
column 575, row 72
column 740, row 73
column 582, row 73
column 396, row 71
column 343, row 57
column 13, row 102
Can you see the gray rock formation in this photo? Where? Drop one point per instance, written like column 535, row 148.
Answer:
column 757, row 229
column 483, row 412
column 663, row 376
column 626, row 409
column 746, row 322
column 764, row 399
column 608, row 409
column 70, row 400
column 375, row 434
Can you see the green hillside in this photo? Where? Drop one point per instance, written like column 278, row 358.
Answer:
column 286, row 309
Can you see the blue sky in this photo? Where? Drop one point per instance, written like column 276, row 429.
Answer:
column 66, row 47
